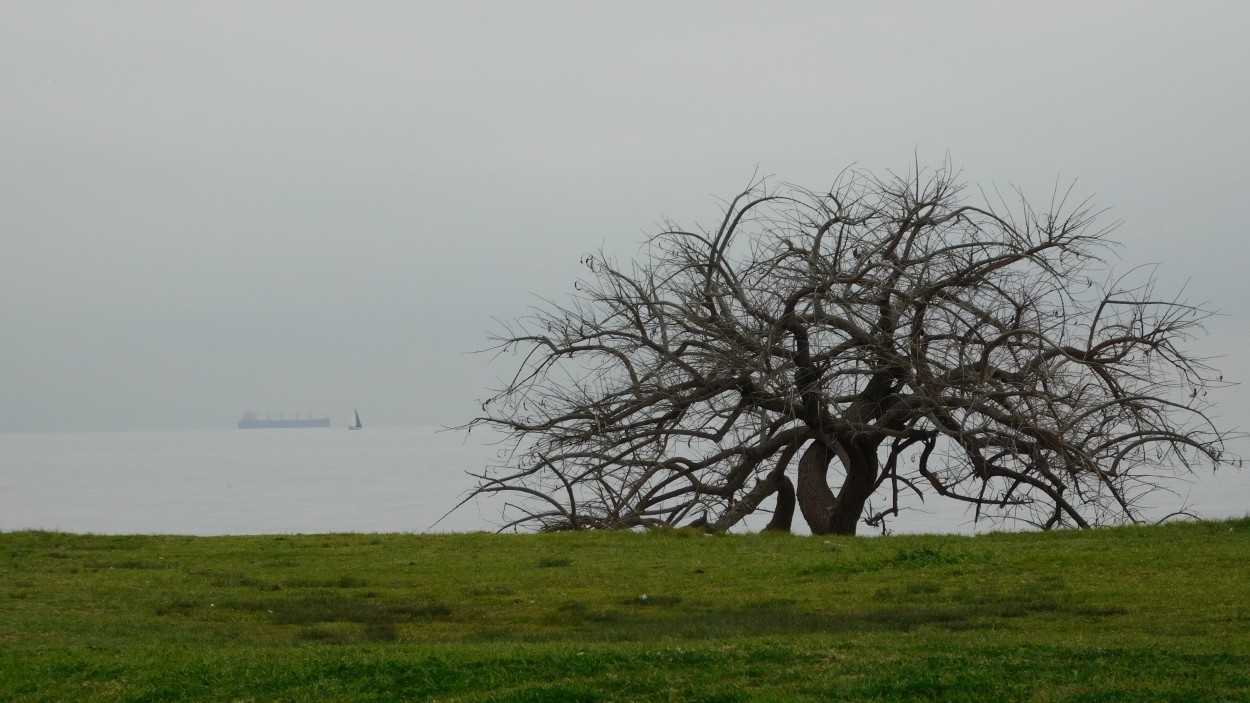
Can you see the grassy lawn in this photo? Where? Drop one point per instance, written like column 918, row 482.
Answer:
column 1125, row 614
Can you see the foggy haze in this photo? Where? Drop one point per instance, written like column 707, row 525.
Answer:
column 307, row 207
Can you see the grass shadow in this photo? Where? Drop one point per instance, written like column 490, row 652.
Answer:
column 332, row 582
column 332, row 607
column 914, row 605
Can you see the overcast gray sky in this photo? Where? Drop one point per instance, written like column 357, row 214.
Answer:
column 208, row 207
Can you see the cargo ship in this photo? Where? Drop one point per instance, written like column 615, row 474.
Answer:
column 251, row 422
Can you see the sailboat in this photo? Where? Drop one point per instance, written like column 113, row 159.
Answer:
column 356, row 426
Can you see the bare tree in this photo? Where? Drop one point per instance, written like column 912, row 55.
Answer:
column 828, row 347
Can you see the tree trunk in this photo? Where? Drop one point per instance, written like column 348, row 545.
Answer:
column 813, row 494
column 861, row 478
column 824, row 512
column 775, row 482
column 783, row 514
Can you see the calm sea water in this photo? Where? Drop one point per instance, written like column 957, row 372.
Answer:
column 323, row 480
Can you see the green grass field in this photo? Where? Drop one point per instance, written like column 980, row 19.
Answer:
column 1125, row 614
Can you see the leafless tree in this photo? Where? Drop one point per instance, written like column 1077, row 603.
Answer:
column 881, row 337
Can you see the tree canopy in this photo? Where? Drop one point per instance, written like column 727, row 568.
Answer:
column 836, row 349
